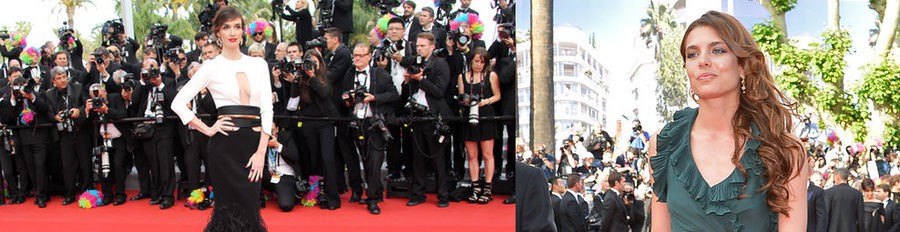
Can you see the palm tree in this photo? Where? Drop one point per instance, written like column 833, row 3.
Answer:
column 653, row 28
column 542, row 120
column 70, row 6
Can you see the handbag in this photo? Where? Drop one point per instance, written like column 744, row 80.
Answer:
column 144, row 131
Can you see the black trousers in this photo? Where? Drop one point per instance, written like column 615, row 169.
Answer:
column 373, row 150
column 195, row 153
column 75, row 151
column 397, row 154
column 510, row 147
column 113, row 184
column 142, row 164
column 427, row 150
column 32, row 168
column 287, row 191
column 10, row 176
column 320, row 141
column 346, row 140
column 162, row 166
column 458, row 155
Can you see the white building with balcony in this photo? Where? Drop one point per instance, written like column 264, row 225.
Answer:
column 580, row 84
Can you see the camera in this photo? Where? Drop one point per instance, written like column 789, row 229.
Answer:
column 157, row 35
column 4, row 34
column 458, row 37
column 356, row 95
column 111, row 30
column 20, row 85
column 316, row 43
column 67, row 124
column 441, row 129
column 387, row 48
column 471, row 101
column 146, row 74
column 308, row 65
column 326, row 15
column 508, row 31
column 413, row 64
column 415, row 108
column 504, row 15
column 101, row 158
column 447, row 5
column 158, row 114
column 379, row 124
column 172, row 55
column 9, row 141
column 64, row 33
column 206, row 16
column 637, row 129
column 384, row 5
column 98, row 57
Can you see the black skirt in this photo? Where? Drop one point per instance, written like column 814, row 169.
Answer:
column 236, row 198
column 484, row 130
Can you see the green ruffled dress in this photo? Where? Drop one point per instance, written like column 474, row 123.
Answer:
column 693, row 204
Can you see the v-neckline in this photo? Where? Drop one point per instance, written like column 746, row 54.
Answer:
column 696, row 167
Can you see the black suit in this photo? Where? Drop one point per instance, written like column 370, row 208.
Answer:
column 554, row 204
column 614, row 215
column 343, row 18
column 572, row 215
column 193, row 142
column 440, row 35
column 892, row 216
column 338, row 62
column 505, row 68
column 844, row 209
column 533, row 211
column 815, row 210
column 75, row 146
column 428, row 148
column 194, row 55
column 159, row 148
column 382, row 87
column 118, row 170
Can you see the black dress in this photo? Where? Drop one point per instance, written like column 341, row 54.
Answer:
column 485, row 129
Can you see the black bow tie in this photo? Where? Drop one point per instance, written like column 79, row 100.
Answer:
column 360, row 72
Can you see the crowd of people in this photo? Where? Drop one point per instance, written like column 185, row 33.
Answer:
column 421, row 95
column 852, row 187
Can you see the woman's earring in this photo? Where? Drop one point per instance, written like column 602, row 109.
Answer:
column 743, row 86
column 219, row 42
column 695, row 97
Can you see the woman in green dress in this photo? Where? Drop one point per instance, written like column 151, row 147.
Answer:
column 731, row 164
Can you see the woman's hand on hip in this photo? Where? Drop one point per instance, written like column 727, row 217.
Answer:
column 222, row 125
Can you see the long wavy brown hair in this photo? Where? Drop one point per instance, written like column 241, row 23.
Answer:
column 764, row 105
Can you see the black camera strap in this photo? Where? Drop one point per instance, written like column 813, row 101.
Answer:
column 470, row 85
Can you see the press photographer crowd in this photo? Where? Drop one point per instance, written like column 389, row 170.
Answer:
column 593, row 186
column 425, row 95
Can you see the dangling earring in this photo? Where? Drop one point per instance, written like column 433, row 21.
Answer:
column 219, row 42
column 695, row 97
column 743, row 86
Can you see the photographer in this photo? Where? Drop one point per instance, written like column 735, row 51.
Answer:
column 100, row 69
column 258, row 31
column 543, row 160
column 409, row 11
column 428, row 88
column 175, row 62
column 200, row 40
column 503, row 57
column 426, row 24
column 61, row 59
column 567, row 158
column 478, row 89
column 371, row 96
column 282, row 166
column 314, row 92
column 13, row 160
column 74, row 133
column 343, row 18
column 16, row 49
column 194, row 142
column 101, row 107
column 391, row 51
column 598, row 142
column 161, row 41
column 463, row 9
column 639, row 138
column 302, row 19
column 113, row 32
column 157, row 136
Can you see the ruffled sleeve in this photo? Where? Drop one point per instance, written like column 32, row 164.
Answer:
column 665, row 143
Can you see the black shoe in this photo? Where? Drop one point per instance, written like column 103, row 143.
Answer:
column 156, row 201
column 140, row 196
column 119, row 200
column 414, row 202
column 373, row 208
column 68, row 200
column 41, row 203
column 356, row 197
column 166, row 204
column 394, row 176
column 443, row 203
column 510, row 200
column 17, row 200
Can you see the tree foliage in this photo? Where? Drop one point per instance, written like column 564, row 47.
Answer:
column 879, row 85
column 672, row 87
column 814, row 76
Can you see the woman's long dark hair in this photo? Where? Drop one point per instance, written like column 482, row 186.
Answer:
column 764, row 105
column 319, row 71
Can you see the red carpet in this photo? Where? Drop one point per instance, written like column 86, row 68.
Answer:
column 140, row 216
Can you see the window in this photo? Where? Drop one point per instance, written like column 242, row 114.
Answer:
column 569, row 70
